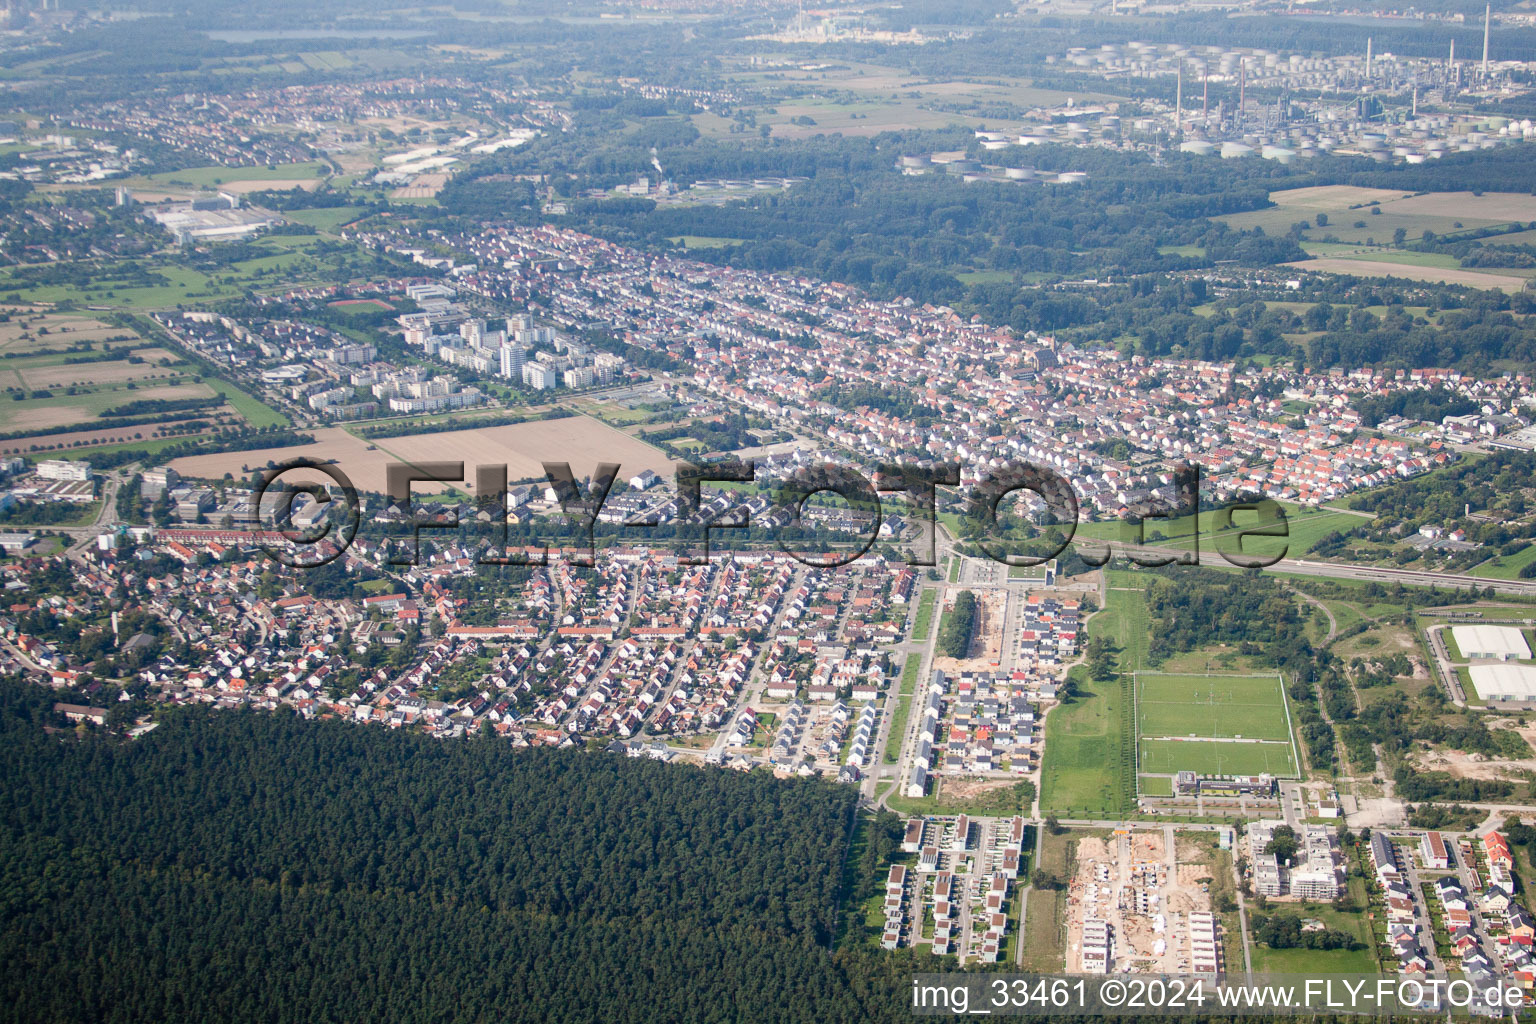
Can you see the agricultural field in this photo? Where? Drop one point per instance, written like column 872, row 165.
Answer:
column 1361, row 224
column 241, row 179
column 57, row 387
column 84, row 444
column 25, row 336
column 86, row 404
column 1212, row 724
column 1344, row 205
column 580, row 440
column 704, row 241
column 147, row 364
column 1508, row 281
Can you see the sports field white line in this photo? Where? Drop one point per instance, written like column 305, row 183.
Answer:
column 1285, row 705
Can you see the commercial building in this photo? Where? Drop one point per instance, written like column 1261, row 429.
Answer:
column 1503, row 682
column 190, row 222
column 1188, row 783
column 157, row 481
column 64, row 469
column 1491, row 643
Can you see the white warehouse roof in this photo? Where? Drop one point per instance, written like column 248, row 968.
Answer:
column 1504, row 682
column 1504, row 643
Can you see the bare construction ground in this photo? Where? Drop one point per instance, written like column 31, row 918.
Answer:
column 987, row 642
column 1135, row 883
column 1462, row 765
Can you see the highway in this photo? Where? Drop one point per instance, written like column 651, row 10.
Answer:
column 1209, row 557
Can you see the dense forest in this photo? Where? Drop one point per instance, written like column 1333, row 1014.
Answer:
column 245, row 866
column 1194, row 609
column 858, row 221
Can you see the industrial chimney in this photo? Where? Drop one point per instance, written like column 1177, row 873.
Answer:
column 1487, row 18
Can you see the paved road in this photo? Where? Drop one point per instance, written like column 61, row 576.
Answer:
column 1443, row 664
column 1421, row 915
column 1309, row 567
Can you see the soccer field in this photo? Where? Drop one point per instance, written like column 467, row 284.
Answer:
column 1212, row 725
column 1220, row 707
column 1216, row 757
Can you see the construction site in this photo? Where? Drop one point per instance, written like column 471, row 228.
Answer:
column 1133, row 908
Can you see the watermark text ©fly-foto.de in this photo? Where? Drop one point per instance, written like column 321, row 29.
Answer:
column 783, row 517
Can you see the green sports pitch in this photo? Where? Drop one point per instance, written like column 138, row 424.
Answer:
column 1224, row 707
column 1216, row 757
column 1213, row 724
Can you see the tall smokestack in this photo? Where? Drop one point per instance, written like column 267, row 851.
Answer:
column 1178, row 98
column 1451, row 60
column 1415, row 101
column 1487, row 18
column 1367, row 56
column 1242, row 86
column 1205, row 95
